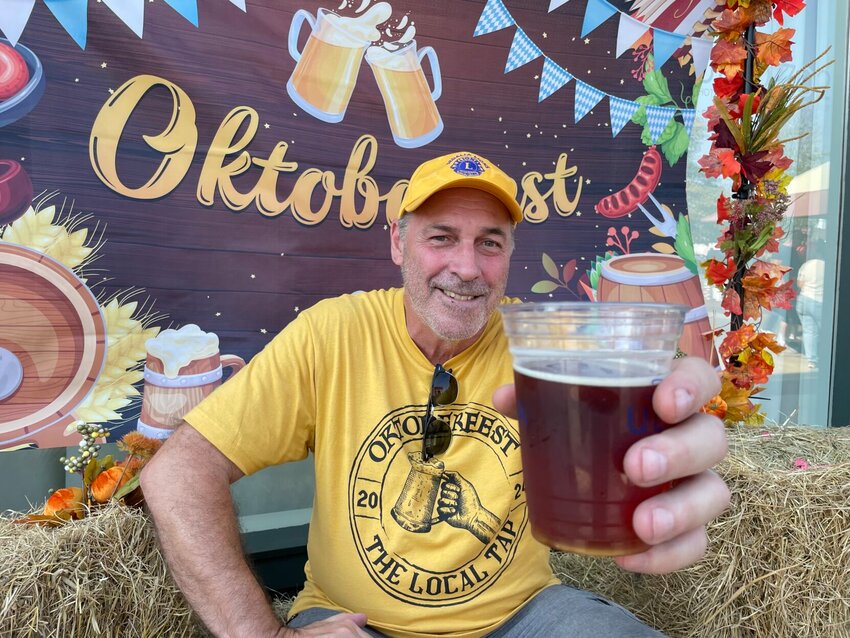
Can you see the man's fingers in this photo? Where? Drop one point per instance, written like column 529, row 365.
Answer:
column 689, row 505
column 667, row 557
column 685, row 390
column 687, row 449
column 504, row 400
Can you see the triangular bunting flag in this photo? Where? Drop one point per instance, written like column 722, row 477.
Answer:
column 701, row 52
column 629, row 31
column 14, row 15
column 523, row 51
column 696, row 16
column 130, row 12
column 688, row 119
column 596, row 12
column 658, row 117
column 495, row 17
column 664, row 44
column 552, row 79
column 73, row 16
column 239, row 3
column 554, row 4
column 186, row 8
column 621, row 112
column 586, row 98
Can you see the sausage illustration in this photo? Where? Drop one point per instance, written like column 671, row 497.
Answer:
column 637, row 191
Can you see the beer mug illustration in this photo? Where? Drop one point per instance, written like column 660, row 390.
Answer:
column 183, row 366
column 414, row 507
column 327, row 68
column 409, row 101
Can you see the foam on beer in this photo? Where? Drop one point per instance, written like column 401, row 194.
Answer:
column 601, row 372
column 178, row 348
column 391, row 60
column 357, row 31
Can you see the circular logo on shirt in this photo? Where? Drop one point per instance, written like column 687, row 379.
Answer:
column 468, row 165
column 438, row 531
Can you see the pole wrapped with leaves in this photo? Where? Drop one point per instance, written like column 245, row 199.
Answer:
column 745, row 123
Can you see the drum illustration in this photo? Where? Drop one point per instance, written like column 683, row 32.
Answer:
column 52, row 348
column 657, row 278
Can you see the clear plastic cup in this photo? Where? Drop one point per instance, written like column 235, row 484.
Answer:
column 585, row 374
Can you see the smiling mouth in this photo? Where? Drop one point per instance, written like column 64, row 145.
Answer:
column 457, row 297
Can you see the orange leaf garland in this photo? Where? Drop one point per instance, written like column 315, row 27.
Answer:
column 717, row 273
column 744, row 123
column 732, row 23
column 761, row 289
column 739, row 407
column 774, row 48
column 790, row 7
column 728, row 58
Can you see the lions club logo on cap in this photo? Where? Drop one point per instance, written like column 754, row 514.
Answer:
column 468, row 165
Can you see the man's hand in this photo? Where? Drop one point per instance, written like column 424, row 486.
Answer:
column 338, row 626
column 672, row 522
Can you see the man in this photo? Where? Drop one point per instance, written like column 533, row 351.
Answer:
column 410, row 547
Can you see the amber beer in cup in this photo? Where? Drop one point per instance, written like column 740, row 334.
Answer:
column 585, row 374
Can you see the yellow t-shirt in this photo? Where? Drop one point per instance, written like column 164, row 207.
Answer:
column 346, row 381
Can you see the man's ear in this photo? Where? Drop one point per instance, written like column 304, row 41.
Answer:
column 396, row 248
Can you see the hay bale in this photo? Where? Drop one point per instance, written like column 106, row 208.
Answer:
column 778, row 562
column 100, row 576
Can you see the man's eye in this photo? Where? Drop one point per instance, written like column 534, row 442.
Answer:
column 440, row 238
column 490, row 243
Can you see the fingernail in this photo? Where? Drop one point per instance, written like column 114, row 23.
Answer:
column 653, row 465
column 662, row 523
column 684, row 401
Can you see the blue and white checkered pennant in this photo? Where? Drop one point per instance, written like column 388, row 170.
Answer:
column 621, row 112
column 658, row 117
column 688, row 118
column 495, row 17
column 586, row 98
column 552, row 79
column 523, row 51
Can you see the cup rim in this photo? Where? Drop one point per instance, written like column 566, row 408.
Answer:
column 599, row 308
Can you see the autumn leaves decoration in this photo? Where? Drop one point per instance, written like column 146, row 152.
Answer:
column 103, row 479
column 745, row 123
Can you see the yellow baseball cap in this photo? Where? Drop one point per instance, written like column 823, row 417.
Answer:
column 462, row 169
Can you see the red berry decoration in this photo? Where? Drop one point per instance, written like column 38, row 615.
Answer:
column 15, row 191
column 14, row 73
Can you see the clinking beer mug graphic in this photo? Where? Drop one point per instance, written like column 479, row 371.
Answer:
column 327, row 68
column 432, row 494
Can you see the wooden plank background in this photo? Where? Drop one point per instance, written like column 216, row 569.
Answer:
column 238, row 273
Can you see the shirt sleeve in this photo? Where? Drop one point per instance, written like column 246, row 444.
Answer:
column 265, row 413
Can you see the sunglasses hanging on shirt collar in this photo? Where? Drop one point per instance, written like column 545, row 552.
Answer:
column 436, row 432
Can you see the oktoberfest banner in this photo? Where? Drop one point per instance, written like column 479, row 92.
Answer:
column 180, row 178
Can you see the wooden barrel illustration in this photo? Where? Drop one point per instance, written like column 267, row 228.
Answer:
column 657, row 278
column 52, row 348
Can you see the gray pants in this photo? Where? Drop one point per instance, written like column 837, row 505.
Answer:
column 556, row 612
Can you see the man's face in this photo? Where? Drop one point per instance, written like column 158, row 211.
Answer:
column 454, row 261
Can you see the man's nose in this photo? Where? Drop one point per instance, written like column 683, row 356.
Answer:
column 465, row 262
